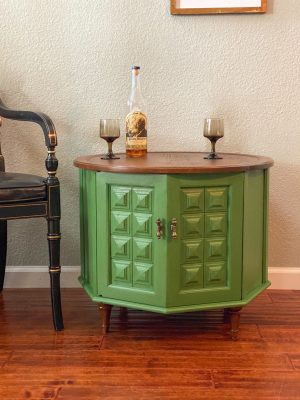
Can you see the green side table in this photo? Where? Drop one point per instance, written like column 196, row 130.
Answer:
column 173, row 232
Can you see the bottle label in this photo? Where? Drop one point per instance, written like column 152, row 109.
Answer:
column 136, row 131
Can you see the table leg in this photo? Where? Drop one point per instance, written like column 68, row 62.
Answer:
column 123, row 313
column 234, row 318
column 105, row 311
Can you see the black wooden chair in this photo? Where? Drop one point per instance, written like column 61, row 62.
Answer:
column 30, row 196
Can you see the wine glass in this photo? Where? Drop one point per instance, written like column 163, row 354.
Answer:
column 213, row 130
column 109, row 131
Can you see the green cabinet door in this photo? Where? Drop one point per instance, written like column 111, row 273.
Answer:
column 131, row 260
column 202, row 265
column 205, row 260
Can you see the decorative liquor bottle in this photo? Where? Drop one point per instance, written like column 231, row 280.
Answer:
column 136, row 120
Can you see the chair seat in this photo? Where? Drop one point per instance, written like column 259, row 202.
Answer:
column 15, row 188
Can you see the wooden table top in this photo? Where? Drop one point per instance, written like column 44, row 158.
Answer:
column 174, row 163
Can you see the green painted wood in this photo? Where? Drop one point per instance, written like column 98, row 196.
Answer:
column 254, row 231
column 218, row 259
column 88, row 229
column 82, row 225
column 265, row 227
column 179, row 309
column 131, row 260
column 205, row 265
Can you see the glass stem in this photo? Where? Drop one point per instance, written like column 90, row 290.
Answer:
column 110, row 149
column 213, row 146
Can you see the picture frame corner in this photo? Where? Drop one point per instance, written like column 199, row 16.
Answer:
column 175, row 8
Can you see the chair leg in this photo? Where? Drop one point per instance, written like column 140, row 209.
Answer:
column 3, row 251
column 54, row 270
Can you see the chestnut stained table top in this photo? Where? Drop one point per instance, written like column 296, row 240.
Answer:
column 174, row 163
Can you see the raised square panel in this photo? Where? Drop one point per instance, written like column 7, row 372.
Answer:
column 191, row 276
column 142, row 199
column 120, row 198
column 193, row 225
column 120, row 223
column 142, row 225
column 120, row 247
column 121, row 273
column 215, row 249
column 142, row 250
column 216, row 199
column 192, row 200
column 215, row 224
column 215, row 275
column 143, row 275
column 192, row 250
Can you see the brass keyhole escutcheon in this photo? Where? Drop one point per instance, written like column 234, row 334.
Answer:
column 159, row 228
column 174, row 228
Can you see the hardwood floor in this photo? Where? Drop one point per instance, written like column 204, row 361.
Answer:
column 147, row 356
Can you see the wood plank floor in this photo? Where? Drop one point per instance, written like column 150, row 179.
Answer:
column 147, row 356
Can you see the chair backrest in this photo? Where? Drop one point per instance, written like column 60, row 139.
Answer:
column 2, row 164
column 39, row 118
column 49, row 134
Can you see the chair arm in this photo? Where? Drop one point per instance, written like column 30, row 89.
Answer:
column 39, row 118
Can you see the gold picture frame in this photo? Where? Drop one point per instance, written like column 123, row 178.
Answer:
column 189, row 7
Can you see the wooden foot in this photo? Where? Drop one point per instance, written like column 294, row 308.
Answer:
column 3, row 249
column 226, row 316
column 123, row 313
column 105, row 311
column 234, row 317
column 55, row 300
column 54, row 270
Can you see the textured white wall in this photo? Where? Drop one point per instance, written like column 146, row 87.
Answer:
column 71, row 59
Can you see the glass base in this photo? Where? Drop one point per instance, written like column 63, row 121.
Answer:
column 110, row 157
column 213, row 156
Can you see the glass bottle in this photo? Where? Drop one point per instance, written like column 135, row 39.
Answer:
column 136, row 120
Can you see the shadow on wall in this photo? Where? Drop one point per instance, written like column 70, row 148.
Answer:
column 25, row 151
column 284, row 229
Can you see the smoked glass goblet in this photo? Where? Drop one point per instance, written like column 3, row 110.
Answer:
column 213, row 130
column 109, row 131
